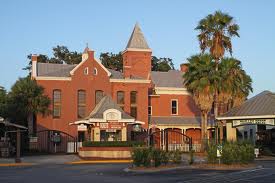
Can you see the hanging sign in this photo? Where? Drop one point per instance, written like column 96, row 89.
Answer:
column 111, row 125
column 253, row 122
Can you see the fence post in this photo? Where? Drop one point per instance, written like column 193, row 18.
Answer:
column 166, row 139
column 190, row 144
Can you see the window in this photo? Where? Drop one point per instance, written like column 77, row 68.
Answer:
column 56, row 103
column 174, row 107
column 133, row 104
column 150, row 110
column 245, row 135
column 120, row 99
column 86, row 71
column 251, row 134
column 95, row 71
column 98, row 96
column 81, row 103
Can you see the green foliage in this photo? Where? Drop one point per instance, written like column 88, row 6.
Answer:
column 142, row 156
column 212, row 153
column 112, row 144
column 3, row 102
column 115, row 62
column 175, row 156
column 165, row 156
column 156, row 157
column 61, row 55
column 232, row 153
column 112, row 61
column 162, row 64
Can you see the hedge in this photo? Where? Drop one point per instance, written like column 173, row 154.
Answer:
column 112, row 144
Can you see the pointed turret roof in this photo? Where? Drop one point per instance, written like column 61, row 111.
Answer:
column 137, row 40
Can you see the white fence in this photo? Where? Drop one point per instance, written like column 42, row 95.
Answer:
column 72, row 147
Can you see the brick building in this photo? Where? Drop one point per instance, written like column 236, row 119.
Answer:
column 105, row 104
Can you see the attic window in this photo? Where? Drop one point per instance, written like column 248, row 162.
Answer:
column 95, row 71
column 86, row 71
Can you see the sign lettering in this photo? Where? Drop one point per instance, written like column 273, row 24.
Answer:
column 253, row 122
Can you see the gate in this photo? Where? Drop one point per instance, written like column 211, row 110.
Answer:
column 53, row 141
column 170, row 140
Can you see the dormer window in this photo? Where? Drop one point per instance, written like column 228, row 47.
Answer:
column 86, row 71
column 95, row 71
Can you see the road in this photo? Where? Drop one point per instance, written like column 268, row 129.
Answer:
column 110, row 173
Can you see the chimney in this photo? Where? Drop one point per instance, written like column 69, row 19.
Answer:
column 183, row 67
column 34, row 65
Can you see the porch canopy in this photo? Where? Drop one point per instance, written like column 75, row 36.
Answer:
column 107, row 111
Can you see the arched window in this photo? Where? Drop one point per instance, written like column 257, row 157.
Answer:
column 81, row 103
column 133, row 103
column 56, row 103
column 120, row 99
column 98, row 96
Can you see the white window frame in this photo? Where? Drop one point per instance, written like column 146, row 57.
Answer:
column 151, row 110
column 95, row 72
column 171, row 106
column 86, row 71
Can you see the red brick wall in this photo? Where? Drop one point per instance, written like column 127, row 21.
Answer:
column 142, row 98
column 137, row 63
column 69, row 89
column 161, row 105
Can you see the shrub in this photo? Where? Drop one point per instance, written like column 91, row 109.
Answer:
column 112, row 144
column 212, row 153
column 141, row 156
column 176, row 156
column 237, row 152
column 165, row 157
column 156, row 157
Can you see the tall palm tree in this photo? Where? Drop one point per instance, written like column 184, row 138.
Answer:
column 200, row 80
column 216, row 31
column 29, row 99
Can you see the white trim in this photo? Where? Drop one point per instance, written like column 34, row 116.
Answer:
column 86, row 71
column 151, row 110
column 246, row 117
column 171, row 91
column 99, row 62
column 99, row 120
column 50, row 78
column 137, row 49
column 172, row 107
column 74, row 69
column 130, row 80
column 34, row 69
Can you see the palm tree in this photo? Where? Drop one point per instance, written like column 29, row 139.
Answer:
column 29, row 99
column 216, row 31
column 200, row 80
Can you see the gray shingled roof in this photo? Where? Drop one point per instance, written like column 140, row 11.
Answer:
column 177, row 120
column 261, row 104
column 137, row 39
column 172, row 78
column 116, row 74
column 54, row 70
column 107, row 103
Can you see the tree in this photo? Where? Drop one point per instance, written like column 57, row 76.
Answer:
column 115, row 62
column 216, row 31
column 61, row 55
column 3, row 102
column 200, row 80
column 28, row 99
column 162, row 64
column 112, row 61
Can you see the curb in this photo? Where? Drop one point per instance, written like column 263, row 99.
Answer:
column 15, row 164
column 128, row 170
column 98, row 162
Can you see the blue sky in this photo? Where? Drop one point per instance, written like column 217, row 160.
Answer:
column 37, row 26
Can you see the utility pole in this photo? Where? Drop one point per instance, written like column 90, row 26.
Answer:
column 18, row 146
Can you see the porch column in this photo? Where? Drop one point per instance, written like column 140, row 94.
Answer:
column 230, row 132
column 96, row 134
column 124, row 134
